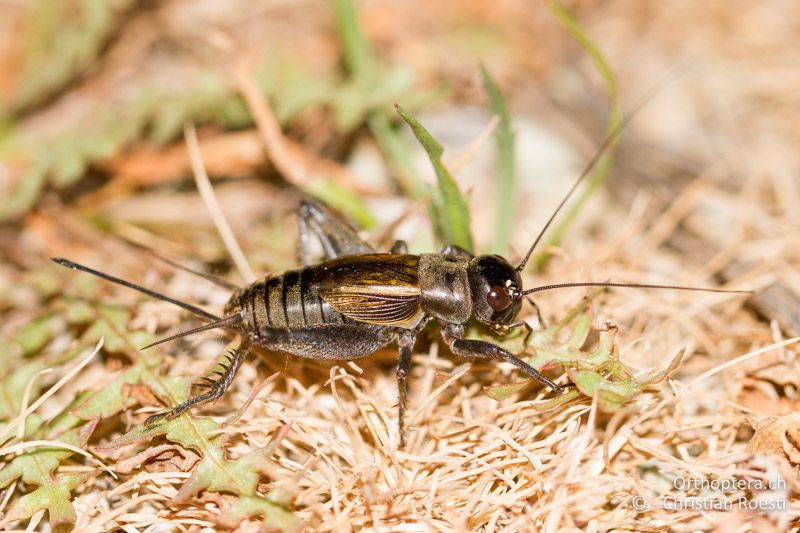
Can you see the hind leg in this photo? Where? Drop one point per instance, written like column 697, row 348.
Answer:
column 217, row 387
column 337, row 238
column 331, row 341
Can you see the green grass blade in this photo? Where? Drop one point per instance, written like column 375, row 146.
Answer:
column 600, row 63
column 396, row 151
column 365, row 69
column 449, row 210
column 342, row 200
column 356, row 51
column 596, row 179
column 504, row 139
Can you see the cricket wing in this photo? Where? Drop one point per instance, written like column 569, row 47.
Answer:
column 377, row 288
column 387, row 308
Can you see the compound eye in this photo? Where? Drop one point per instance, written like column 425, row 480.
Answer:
column 498, row 298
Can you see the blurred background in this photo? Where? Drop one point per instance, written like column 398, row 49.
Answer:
column 296, row 97
column 94, row 97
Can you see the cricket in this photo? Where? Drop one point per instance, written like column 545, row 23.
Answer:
column 356, row 301
column 353, row 265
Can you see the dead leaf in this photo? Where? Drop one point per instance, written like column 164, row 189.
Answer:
column 756, row 396
column 778, row 435
column 163, row 458
column 224, row 154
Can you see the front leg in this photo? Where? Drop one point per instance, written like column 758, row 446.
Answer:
column 405, row 341
column 453, row 335
column 217, row 387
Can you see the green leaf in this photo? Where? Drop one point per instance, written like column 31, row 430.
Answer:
column 58, row 39
column 558, row 401
column 449, row 209
column 214, row 472
column 594, row 372
column 611, row 395
column 37, row 467
column 111, row 324
column 503, row 392
column 250, row 506
column 66, row 420
column 78, row 311
column 397, row 153
column 505, row 166
column 673, row 365
column 36, row 334
column 13, row 382
column 369, row 93
column 110, row 399
column 55, row 497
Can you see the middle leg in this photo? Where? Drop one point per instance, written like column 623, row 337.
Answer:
column 405, row 341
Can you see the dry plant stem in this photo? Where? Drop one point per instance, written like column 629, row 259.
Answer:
column 26, row 398
column 229, row 154
column 135, row 482
column 468, row 154
column 742, row 358
column 7, row 496
column 665, row 225
column 252, row 396
column 578, row 451
column 722, row 401
column 15, row 448
column 98, row 523
column 610, row 432
column 468, row 461
column 34, row 521
column 43, row 398
column 455, row 376
column 210, row 200
column 291, row 159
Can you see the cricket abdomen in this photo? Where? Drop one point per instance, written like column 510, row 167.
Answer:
column 289, row 300
column 286, row 313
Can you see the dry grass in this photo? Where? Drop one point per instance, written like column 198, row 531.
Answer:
column 728, row 128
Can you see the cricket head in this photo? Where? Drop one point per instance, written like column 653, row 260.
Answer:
column 496, row 288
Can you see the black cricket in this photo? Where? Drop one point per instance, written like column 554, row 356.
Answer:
column 357, row 301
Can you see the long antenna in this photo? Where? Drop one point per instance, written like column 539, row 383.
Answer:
column 610, row 139
column 192, row 309
column 634, row 285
